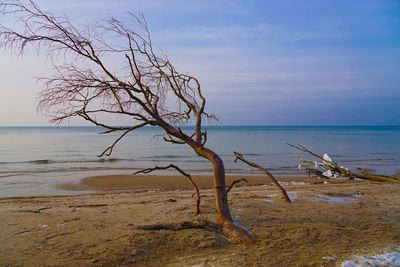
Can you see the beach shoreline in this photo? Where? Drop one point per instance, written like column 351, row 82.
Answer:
column 120, row 182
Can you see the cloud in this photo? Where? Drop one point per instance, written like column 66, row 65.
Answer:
column 258, row 61
column 214, row 33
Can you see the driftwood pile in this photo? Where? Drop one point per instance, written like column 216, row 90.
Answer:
column 327, row 168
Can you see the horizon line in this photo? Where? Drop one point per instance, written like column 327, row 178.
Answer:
column 229, row 125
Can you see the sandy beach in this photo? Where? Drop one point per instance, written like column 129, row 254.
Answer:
column 324, row 226
column 208, row 101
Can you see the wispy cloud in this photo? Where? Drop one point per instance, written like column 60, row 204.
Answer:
column 261, row 62
column 215, row 33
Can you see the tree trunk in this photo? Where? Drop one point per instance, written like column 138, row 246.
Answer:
column 229, row 228
column 221, row 196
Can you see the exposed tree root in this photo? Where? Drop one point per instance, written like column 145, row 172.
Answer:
column 88, row 206
column 183, row 226
column 230, row 230
column 238, row 233
column 35, row 210
column 240, row 157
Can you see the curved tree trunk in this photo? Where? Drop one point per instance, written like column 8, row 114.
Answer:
column 229, row 228
column 221, row 196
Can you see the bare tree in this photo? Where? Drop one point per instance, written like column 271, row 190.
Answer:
column 107, row 68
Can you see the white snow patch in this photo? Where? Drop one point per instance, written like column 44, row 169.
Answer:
column 326, row 157
column 391, row 259
column 236, row 220
column 299, row 166
column 292, row 183
column 299, row 183
column 283, row 183
column 334, row 200
column 330, row 174
column 43, row 225
column 292, row 196
column 270, row 198
column 329, row 258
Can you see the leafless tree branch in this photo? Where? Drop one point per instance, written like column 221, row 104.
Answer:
column 196, row 188
column 240, row 157
column 109, row 149
column 236, row 182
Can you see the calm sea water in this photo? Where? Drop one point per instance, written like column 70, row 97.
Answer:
column 33, row 159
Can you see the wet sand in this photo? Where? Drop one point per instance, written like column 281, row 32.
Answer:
column 137, row 182
column 326, row 224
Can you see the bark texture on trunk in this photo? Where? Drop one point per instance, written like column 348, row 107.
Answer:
column 221, row 196
column 229, row 228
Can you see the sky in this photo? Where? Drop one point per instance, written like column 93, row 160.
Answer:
column 259, row 62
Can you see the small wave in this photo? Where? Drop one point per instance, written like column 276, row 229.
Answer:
column 165, row 156
column 49, row 161
column 339, row 156
column 58, row 170
column 41, row 161
column 170, row 160
column 253, row 154
column 110, row 160
column 381, row 153
column 285, row 168
column 10, row 175
column 372, row 160
column 24, row 184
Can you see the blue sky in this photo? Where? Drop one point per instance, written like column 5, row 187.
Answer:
column 260, row 62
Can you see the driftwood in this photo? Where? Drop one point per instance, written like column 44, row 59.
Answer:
column 182, row 226
column 35, row 210
column 201, row 224
column 196, row 188
column 314, row 167
column 240, row 157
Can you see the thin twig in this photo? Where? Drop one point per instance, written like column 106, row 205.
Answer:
column 229, row 188
column 196, row 188
column 240, row 157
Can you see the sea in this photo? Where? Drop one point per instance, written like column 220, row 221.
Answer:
column 34, row 160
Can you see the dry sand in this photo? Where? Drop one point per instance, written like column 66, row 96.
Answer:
column 326, row 224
